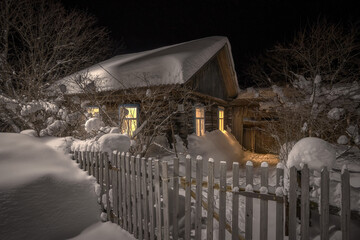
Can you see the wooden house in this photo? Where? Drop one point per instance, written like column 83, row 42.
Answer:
column 204, row 66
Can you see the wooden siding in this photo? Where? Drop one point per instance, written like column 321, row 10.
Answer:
column 228, row 73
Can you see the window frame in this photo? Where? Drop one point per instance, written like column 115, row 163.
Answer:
column 129, row 105
column 200, row 120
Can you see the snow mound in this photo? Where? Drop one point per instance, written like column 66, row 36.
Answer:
column 30, row 132
column 315, row 152
column 343, row 140
column 93, row 124
column 44, row 195
column 114, row 142
column 336, row 113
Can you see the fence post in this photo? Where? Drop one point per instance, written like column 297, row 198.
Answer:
column 210, row 219
column 292, row 203
column 235, row 202
column 198, row 207
column 107, row 182
column 187, row 197
column 305, row 205
column 279, row 206
column 165, row 188
column 128, row 192
column 249, row 202
column 264, row 203
column 151, row 200
column 324, row 208
column 133, row 196
column 138, row 196
column 176, row 199
column 82, row 160
column 76, row 156
column 158, row 199
column 222, row 200
column 345, row 203
column 145, row 198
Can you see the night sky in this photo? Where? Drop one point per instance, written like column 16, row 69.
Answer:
column 251, row 26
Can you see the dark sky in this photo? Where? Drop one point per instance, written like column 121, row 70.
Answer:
column 251, row 25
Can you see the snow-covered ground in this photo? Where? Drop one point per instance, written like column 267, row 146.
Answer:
column 44, row 195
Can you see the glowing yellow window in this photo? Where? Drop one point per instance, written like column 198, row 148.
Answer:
column 128, row 118
column 199, row 121
column 94, row 111
column 221, row 119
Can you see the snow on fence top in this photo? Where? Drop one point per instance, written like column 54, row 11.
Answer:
column 173, row 64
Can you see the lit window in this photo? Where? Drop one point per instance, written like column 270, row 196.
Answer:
column 94, row 111
column 199, row 121
column 128, row 115
column 221, row 119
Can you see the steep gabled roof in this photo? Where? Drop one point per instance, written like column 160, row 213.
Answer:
column 174, row 64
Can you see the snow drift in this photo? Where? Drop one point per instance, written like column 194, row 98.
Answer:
column 43, row 194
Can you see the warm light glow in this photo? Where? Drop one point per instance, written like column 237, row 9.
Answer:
column 129, row 124
column 199, row 121
column 94, row 111
column 221, row 120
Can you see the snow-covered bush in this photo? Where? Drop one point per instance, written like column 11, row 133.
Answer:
column 93, row 124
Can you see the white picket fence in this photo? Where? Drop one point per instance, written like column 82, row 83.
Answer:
column 138, row 184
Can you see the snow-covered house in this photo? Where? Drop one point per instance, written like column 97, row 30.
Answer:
column 205, row 65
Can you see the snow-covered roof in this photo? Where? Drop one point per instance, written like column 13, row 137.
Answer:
column 173, row 64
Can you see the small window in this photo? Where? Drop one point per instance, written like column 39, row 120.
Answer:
column 94, row 111
column 221, row 118
column 199, row 121
column 128, row 115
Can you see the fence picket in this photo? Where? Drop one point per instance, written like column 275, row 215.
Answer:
column 158, row 199
column 279, row 205
column 249, row 202
column 210, row 195
column 128, row 192
column 187, row 197
column 345, row 203
column 133, row 195
column 222, row 200
column 292, row 203
column 114, row 183
column 138, row 196
column 101, row 181
column 235, row 202
column 324, row 208
column 198, row 208
column 107, row 183
column 82, row 160
column 145, row 198
column 176, row 199
column 305, row 204
column 151, row 200
column 264, row 203
column 119, row 189
column 124, row 191
column 96, row 158
column 87, row 154
column 165, row 188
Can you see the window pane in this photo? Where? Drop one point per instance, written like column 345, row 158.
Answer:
column 199, row 112
column 131, row 112
column 94, row 111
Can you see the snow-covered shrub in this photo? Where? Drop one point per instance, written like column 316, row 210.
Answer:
column 114, row 142
column 93, row 124
column 30, row 132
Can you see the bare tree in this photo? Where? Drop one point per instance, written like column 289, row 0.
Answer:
column 321, row 67
column 40, row 42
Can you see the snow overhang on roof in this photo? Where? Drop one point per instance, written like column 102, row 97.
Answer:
column 168, row 65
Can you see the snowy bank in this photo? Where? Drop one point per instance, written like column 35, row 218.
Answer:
column 43, row 193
